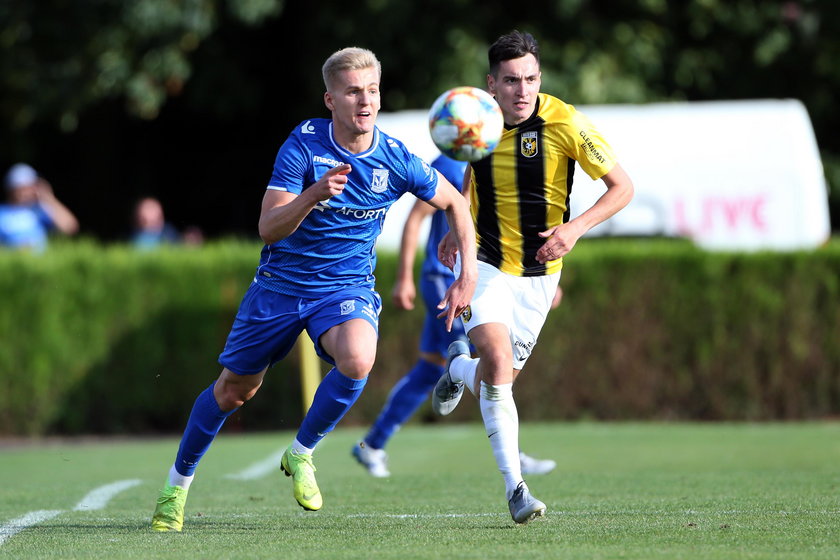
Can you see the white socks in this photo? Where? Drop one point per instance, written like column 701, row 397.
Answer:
column 301, row 449
column 177, row 479
column 501, row 421
column 463, row 369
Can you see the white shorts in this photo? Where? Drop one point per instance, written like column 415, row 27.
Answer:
column 520, row 302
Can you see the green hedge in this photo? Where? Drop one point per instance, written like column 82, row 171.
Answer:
column 108, row 339
column 104, row 339
column 662, row 330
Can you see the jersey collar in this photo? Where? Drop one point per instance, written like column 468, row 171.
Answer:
column 529, row 120
column 346, row 153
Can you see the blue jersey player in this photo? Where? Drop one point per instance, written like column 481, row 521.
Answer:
column 333, row 181
column 412, row 390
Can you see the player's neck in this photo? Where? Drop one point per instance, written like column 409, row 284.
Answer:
column 353, row 142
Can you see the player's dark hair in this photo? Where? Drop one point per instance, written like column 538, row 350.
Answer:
column 515, row 44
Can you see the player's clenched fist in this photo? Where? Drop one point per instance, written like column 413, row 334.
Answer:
column 333, row 181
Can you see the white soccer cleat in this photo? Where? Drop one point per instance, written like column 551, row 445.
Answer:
column 530, row 465
column 447, row 393
column 374, row 460
column 523, row 506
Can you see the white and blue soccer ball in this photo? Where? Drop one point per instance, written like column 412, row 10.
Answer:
column 466, row 123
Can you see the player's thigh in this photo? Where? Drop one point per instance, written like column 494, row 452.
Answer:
column 344, row 327
column 352, row 345
column 264, row 331
column 532, row 297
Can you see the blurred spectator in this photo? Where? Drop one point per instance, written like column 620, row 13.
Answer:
column 192, row 236
column 150, row 227
column 32, row 211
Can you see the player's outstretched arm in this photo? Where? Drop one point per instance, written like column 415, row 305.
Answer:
column 561, row 239
column 447, row 248
column 460, row 292
column 282, row 212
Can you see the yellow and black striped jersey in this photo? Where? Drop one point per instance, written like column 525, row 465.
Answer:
column 524, row 186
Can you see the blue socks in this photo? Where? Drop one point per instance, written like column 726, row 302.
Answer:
column 334, row 397
column 206, row 419
column 405, row 398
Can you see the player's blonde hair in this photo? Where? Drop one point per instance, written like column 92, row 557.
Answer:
column 350, row 58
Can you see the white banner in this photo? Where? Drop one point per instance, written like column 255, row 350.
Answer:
column 733, row 175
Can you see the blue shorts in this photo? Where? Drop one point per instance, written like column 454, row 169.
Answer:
column 268, row 324
column 434, row 339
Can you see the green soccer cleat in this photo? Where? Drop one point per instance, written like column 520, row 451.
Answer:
column 299, row 466
column 169, row 512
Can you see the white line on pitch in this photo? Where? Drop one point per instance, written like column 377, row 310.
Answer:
column 593, row 513
column 98, row 498
column 15, row 526
column 258, row 469
column 426, row 515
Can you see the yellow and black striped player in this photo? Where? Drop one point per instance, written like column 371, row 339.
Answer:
column 519, row 199
column 525, row 185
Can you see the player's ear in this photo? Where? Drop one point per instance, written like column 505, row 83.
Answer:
column 491, row 84
column 328, row 101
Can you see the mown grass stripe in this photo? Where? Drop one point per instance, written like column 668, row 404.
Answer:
column 258, row 469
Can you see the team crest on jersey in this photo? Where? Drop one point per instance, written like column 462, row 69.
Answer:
column 528, row 144
column 380, row 181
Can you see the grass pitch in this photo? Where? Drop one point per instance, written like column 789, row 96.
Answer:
column 645, row 491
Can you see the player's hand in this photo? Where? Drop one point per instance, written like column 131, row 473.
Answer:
column 403, row 295
column 447, row 250
column 456, row 299
column 332, row 182
column 559, row 241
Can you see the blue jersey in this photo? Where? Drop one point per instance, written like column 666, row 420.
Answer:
column 24, row 226
column 334, row 246
column 454, row 172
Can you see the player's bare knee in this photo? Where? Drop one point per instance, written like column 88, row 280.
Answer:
column 498, row 360
column 234, row 396
column 232, row 391
column 355, row 366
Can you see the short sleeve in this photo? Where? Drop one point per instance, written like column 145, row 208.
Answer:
column 422, row 178
column 290, row 166
column 589, row 148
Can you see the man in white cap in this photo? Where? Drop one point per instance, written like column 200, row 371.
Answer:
column 32, row 211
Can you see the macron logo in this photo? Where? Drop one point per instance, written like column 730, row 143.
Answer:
column 328, row 161
column 307, row 128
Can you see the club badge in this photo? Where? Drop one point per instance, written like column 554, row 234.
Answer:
column 528, row 144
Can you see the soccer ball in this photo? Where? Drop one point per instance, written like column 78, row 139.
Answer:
column 466, row 123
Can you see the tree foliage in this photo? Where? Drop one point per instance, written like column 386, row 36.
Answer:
column 60, row 57
column 227, row 69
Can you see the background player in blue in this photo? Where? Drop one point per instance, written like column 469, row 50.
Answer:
column 414, row 387
column 333, row 181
